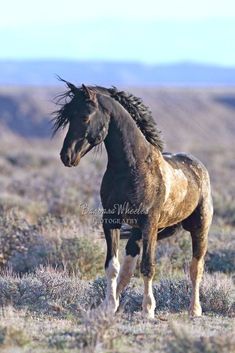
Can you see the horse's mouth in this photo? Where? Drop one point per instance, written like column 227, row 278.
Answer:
column 76, row 162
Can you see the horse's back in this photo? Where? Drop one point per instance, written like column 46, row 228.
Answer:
column 188, row 163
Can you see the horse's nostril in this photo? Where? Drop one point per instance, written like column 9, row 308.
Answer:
column 65, row 158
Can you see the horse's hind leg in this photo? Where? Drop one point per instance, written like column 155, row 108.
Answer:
column 130, row 260
column 198, row 224
column 148, row 267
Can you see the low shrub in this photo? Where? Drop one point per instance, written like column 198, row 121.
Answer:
column 183, row 341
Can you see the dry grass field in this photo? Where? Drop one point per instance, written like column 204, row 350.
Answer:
column 52, row 251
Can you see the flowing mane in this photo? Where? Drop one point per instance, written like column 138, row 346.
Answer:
column 140, row 113
column 60, row 119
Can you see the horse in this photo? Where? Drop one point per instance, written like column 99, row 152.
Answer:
column 153, row 192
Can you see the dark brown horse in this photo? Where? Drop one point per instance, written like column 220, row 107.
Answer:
column 153, row 192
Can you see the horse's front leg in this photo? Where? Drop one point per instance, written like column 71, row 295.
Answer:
column 148, row 270
column 112, row 267
column 130, row 260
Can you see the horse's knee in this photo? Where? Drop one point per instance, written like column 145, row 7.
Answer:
column 147, row 268
column 112, row 268
column 112, row 237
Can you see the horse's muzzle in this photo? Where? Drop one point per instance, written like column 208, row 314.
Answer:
column 65, row 158
column 72, row 159
column 69, row 160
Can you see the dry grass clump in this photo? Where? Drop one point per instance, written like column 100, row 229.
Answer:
column 41, row 220
column 78, row 255
column 18, row 239
column 14, row 331
column 97, row 334
column 27, row 160
column 50, row 291
column 13, row 337
column 224, row 207
column 184, row 341
column 100, row 330
column 221, row 261
column 91, row 331
column 14, row 234
column 218, row 294
column 52, row 241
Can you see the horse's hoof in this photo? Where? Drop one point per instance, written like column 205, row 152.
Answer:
column 110, row 307
column 195, row 311
column 149, row 315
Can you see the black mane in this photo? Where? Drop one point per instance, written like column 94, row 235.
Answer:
column 60, row 119
column 141, row 114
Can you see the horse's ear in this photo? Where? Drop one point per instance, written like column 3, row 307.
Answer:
column 89, row 93
column 72, row 87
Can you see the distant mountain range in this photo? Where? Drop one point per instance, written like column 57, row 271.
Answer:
column 114, row 73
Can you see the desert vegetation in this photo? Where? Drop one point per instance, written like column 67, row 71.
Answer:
column 52, row 249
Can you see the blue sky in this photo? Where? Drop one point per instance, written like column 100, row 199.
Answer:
column 147, row 31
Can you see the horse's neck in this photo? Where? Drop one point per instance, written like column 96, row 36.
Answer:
column 125, row 144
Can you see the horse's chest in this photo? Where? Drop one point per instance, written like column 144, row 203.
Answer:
column 127, row 189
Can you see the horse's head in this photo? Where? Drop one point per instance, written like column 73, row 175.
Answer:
column 88, row 125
